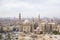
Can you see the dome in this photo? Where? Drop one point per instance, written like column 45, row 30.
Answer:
column 58, row 25
column 26, row 21
column 51, row 23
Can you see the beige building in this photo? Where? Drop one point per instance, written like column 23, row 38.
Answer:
column 52, row 26
column 26, row 25
column 58, row 28
column 43, row 26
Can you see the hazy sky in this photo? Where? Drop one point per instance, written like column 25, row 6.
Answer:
column 30, row 8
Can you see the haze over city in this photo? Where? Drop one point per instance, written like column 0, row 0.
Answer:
column 30, row 8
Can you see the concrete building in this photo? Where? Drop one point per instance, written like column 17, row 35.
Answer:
column 26, row 25
column 58, row 28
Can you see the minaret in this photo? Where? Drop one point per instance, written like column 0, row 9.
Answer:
column 20, row 23
column 39, row 17
column 19, row 17
column 32, row 24
column 39, row 21
column 39, row 24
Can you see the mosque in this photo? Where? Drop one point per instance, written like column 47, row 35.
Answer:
column 27, row 26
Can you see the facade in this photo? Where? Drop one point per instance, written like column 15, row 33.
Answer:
column 52, row 27
column 58, row 28
column 26, row 26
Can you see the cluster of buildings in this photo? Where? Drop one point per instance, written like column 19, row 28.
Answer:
column 43, row 26
column 43, row 31
column 30, row 29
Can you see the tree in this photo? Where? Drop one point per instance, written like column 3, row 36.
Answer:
column 0, row 36
column 9, row 36
column 1, row 30
column 56, row 32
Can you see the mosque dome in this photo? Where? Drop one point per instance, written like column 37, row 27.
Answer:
column 58, row 25
column 26, row 21
column 37, row 28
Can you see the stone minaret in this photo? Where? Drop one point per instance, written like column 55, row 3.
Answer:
column 39, row 24
column 39, row 17
column 20, row 17
column 32, row 24
column 20, row 23
column 39, row 21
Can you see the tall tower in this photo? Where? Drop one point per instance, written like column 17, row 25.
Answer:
column 32, row 25
column 39, row 17
column 39, row 25
column 20, row 23
column 39, row 20
column 19, row 17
